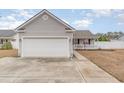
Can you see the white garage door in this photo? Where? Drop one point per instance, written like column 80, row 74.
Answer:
column 45, row 47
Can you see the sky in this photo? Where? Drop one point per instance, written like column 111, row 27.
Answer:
column 97, row 21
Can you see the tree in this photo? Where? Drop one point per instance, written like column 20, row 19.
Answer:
column 103, row 38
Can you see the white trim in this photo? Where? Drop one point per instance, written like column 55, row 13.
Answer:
column 21, row 50
column 54, row 37
column 40, row 13
column 69, row 53
column 70, row 31
column 6, row 37
column 46, row 37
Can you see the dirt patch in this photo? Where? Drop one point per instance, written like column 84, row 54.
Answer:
column 110, row 61
column 8, row 53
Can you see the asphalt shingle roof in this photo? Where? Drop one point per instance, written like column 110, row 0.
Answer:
column 7, row 33
column 83, row 34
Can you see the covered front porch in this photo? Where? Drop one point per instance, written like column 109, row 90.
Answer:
column 83, row 39
column 83, row 44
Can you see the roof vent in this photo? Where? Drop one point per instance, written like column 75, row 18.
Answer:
column 44, row 17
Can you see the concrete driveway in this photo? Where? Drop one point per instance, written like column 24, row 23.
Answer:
column 30, row 70
column 40, row 70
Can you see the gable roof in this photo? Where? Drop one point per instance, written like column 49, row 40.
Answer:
column 40, row 13
column 83, row 34
column 7, row 33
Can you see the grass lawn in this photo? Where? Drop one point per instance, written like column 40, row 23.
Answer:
column 111, row 61
column 8, row 53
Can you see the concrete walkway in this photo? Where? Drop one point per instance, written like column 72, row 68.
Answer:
column 92, row 73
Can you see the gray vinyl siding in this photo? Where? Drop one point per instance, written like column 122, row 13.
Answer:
column 45, row 27
column 50, row 27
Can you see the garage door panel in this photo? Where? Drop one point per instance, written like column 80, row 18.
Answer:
column 45, row 47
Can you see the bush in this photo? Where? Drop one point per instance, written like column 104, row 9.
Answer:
column 103, row 38
column 7, row 46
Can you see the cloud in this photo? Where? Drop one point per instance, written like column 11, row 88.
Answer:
column 10, row 18
column 90, row 17
column 10, row 25
column 89, row 14
column 99, row 13
column 14, row 19
column 102, row 12
column 72, row 10
column 7, row 18
column 6, row 21
column 120, row 23
column 115, row 13
column 9, row 22
column 25, row 13
column 83, row 12
column 83, row 24
column 118, row 10
column 120, row 18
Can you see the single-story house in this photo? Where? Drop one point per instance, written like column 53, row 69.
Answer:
column 45, row 35
column 83, row 39
column 6, row 36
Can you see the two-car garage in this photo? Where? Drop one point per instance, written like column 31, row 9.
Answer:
column 45, row 35
column 45, row 47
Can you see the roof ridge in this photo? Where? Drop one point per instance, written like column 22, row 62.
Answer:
column 40, row 13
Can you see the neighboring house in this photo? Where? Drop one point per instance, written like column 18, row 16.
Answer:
column 45, row 35
column 83, row 39
column 6, row 36
column 121, row 38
